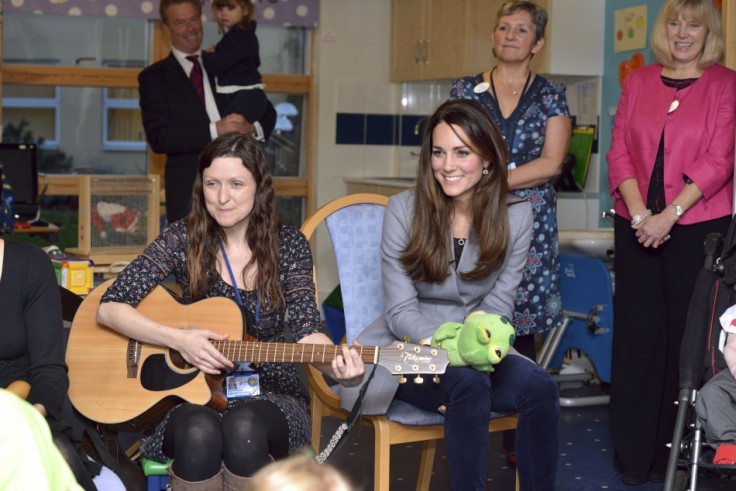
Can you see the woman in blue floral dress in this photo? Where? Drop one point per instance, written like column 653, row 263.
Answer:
column 533, row 117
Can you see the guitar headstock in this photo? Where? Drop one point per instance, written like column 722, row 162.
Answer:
column 404, row 359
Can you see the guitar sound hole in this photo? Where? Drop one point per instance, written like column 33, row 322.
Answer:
column 156, row 375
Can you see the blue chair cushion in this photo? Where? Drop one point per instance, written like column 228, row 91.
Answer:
column 408, row 414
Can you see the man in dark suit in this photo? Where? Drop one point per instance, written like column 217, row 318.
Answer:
column 176, row 120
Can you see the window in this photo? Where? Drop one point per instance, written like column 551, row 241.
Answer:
column 85, row 106
column 32, row 109
column 122, row 127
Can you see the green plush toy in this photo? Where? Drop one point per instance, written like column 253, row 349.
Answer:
column 481, row 342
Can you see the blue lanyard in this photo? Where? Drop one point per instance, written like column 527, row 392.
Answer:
column 235, row 284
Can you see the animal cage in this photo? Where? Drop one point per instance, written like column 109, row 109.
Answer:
column 118, row 216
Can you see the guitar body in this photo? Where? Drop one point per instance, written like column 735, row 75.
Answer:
column 109, row 387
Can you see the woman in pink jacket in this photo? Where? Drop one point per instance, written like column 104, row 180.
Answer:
column 670, row 170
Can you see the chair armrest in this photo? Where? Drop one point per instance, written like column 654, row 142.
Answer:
column 21, row 389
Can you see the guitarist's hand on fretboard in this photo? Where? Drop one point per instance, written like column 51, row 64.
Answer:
column 348, row 369
column 195, row 346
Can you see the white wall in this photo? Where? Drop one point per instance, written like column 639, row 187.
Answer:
column 351, row 66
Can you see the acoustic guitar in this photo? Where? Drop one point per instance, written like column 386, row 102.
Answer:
column 131, row 385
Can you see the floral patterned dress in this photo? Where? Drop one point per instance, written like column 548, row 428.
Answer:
column 538, row 305
column 279, row 382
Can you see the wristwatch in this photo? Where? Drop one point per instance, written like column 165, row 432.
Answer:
column 678, row 210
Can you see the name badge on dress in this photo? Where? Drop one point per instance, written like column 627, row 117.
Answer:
column 243, row 381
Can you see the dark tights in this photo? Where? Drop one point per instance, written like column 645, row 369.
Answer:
column 245, row 438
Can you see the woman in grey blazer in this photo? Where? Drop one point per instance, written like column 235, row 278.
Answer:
column 458, row 243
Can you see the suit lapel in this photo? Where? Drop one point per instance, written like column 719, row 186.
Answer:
column 180, row 85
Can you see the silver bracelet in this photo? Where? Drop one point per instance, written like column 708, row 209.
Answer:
column 640, row 218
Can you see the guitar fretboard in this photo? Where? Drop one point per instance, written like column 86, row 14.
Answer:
column 256, row 351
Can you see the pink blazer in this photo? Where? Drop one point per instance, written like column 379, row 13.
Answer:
column 698, row 139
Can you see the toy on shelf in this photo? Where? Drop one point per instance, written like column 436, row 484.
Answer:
column 74, row 274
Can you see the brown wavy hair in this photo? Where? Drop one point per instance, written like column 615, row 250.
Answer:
column 263, row 234
column 429, row 253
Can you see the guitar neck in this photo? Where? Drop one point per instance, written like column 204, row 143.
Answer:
column 255, row 351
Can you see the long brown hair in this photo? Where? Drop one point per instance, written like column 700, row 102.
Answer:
column 429, row 252
column 204, row 234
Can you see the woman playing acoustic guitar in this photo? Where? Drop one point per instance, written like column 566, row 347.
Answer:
column 230, row 245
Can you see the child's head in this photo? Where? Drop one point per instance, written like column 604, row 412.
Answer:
column 232, row 13
column 299, row 472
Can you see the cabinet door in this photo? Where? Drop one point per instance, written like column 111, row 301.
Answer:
column 445, row 34
column 407, row 39
column 480, row 17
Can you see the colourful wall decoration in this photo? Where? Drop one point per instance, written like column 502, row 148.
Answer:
column 630, row 29
column 628, row 66
column 298, row 13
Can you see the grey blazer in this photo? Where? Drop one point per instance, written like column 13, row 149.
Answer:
column 416, row 309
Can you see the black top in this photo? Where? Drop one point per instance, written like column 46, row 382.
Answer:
column 32, row 330
column 655, row 194
column 236, row 59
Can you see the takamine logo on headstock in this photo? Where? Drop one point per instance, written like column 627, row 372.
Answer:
column 406, row 359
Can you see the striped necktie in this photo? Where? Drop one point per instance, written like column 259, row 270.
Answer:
column 196, row 76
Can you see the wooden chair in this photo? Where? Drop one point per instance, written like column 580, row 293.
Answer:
column 354, row 223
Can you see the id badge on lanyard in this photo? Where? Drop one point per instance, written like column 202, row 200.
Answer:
column 243, row 380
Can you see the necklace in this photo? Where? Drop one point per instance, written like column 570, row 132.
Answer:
column 679, row 85
column 514, row 92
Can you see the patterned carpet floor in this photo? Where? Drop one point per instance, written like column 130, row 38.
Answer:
column 585, row 463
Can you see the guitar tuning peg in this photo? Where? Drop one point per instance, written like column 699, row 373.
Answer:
column 418, row 379
column 402, row 380
column 436, row 379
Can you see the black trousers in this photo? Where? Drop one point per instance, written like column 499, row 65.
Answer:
column 653, row 290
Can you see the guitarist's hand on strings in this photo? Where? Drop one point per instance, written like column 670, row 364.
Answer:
column 196, row 348
column 348, row 369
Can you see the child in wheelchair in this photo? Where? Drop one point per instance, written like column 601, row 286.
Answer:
column 716, row 402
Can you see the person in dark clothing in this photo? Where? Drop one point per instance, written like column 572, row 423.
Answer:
column 32, row 351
